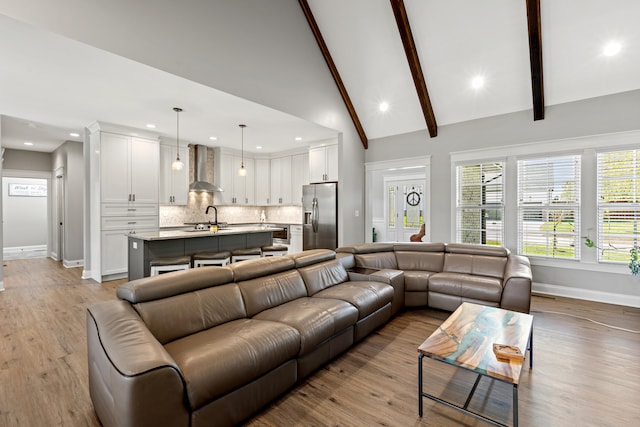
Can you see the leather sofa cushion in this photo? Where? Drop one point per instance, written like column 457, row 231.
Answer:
column 217, row 361
column 171, row 284
column 465, row 248
column 312, row 256
column 367, row 248
column 260, row 267
column 467, row 286
column 479, row 265
column 377, row 260
column 417, row 281
column 270, row 291
column 423, row 261
column 323, row 275
column 366, row 296
column 316, row 319
column 181, row 315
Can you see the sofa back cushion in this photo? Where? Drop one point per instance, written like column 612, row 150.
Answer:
column 178, row 316
column 420, row 256
column 323, row 275
column 272, row 290
column 254, row 268
column 172, row 284
column 478, row 265
column 378, row 260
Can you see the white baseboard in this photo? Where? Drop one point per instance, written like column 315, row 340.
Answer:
column 23, row 252
column 1, row 285
column 72, row 263
column 586, row 294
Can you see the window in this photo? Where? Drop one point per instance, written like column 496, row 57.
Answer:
column 480, row 204
column 549, row 207
column 618, row 204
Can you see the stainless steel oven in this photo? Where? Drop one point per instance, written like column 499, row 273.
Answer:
column 281, row 237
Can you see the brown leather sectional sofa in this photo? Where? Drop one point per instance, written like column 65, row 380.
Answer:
column 210, row 346
column 443, row 276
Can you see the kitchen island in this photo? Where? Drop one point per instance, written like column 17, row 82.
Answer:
column 144, row 247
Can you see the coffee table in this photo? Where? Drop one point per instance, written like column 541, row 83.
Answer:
column 466, row 339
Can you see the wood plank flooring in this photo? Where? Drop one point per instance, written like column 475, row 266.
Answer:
column 584, row 374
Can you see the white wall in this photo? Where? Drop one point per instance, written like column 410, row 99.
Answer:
column 603, row 115
column 1, row 209
column 69, row 156
column 25, row 218
column 262, row 51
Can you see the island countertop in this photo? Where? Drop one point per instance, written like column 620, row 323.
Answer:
column 188, row 233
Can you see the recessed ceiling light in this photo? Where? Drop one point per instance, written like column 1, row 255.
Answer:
column 612, row 48
column 298, row 138
column 151, row 126
column 213, row 138
column 74, row 134
column 384, row 106
column 477, row 82
column 258, row 147
column 28, row 143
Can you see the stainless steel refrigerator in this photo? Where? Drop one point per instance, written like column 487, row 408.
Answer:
column 320, row 211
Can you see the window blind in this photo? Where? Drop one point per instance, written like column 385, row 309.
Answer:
column 480, row 203
column 549, row 207
column 618, row 204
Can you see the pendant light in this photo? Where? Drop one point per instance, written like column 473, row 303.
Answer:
column 242, row 171
column 177, row 165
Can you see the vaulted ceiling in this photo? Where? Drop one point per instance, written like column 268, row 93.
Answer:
column 528, row 53
column 419, row 57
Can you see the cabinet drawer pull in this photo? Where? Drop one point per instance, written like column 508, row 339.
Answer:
column 131, row 222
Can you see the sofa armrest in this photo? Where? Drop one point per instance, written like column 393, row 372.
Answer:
column 394, row 278
column 516, row 292
column 133, row 381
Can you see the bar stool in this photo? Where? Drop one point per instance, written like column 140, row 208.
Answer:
column 244, row 254
column 274, row 250
column 164, row 265
column 211, row 258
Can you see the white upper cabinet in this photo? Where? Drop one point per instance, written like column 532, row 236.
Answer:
column 129, row 169
column 323, row 163
column 262, row 181
column 299, row 176
column 238, row 190
column 281, row 181
column 174, row 185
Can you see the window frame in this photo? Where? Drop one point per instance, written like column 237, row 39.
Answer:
column 542, row 178
column 499, row 207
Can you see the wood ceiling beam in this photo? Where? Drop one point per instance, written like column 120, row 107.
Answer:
column 404, row 29
column 535, row 55
column 334, row 71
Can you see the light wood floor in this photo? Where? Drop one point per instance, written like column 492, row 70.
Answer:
column 584, row 374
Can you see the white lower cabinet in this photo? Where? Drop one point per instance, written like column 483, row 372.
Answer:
column 295, row 239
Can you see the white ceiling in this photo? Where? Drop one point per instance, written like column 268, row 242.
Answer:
column 459, row 39
column 63, row 85
column 52, row 86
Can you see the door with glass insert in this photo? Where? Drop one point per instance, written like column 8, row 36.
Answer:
column 405, row 209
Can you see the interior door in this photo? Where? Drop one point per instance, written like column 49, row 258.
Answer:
column 404, row 213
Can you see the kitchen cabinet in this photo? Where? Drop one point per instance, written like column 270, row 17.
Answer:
column 262, row 181
column 129, row 169
column 323, row 163
column 295, row 239
column 299, row 177
column 281, row 181
column 174, row 185
column 114, row 247
column 238, row 190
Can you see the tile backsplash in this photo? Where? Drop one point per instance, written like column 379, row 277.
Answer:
column 176, row 216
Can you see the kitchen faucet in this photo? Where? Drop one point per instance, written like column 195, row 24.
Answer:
column 215, row 216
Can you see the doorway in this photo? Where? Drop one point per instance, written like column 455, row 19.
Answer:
column 25, row 217
column 405, row 207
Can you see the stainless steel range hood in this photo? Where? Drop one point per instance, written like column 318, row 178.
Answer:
column 200, row 172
